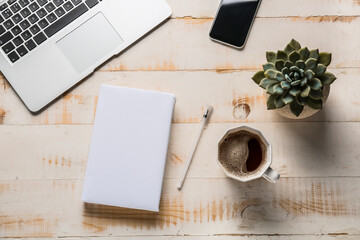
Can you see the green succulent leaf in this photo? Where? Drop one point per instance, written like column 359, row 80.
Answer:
column 319, row 70
column 285, row 70
column 300, row 64
column 266, row 82
column 285, row 85
column 270, row 89
column 279, row 64
column 302, row 101
column 316, row 94
column 271, row 74
column 314, row 104
column 294, row 57
column 279, row 102
column 296, row 108
column 311, row 63
column 258, row 77
column 268, row 65
column 325, row 58
column 328, row 78
column 304, row 53
column 288, row 64
column 315, row 84
column 294, row 91
column 294, row 69
column 309, row 74
column 288, row 49
column 271, row 102
column 281, row 55
column 271, row 57
column 278, row 89
column 314, row 54
column 279, row 77
column 295, row 83
column 303, row 82
column 305, row 93
column 295, row 44
column 287, row 98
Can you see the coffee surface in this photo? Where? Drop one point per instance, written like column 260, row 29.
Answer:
column 242, row 153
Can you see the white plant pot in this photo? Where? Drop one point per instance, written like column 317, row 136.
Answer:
column 307, row 112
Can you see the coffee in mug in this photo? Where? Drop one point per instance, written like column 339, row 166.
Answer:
column 244, row 155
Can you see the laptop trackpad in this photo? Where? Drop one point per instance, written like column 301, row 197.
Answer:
column 89, row 43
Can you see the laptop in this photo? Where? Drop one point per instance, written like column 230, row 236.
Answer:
column 47, row 46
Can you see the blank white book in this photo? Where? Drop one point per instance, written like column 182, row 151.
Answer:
column 129, row 146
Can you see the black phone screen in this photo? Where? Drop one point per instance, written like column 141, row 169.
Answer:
column 233, row 21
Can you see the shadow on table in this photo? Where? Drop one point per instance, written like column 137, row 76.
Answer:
column 103, row 216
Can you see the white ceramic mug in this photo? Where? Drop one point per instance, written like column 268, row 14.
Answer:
column 264, row 169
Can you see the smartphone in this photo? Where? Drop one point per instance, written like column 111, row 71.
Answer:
column 233, row 22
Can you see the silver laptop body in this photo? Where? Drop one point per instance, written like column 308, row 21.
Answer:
column 77, row 37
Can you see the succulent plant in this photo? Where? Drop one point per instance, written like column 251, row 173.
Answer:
column 295, row 76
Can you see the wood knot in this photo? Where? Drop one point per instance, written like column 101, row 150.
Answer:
column 241, row 109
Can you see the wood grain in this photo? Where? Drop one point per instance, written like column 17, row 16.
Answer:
column 204, row 207
column 43, row 157
column 234, row 95
column 270, row 8
column 184, row 44
column 299, row 150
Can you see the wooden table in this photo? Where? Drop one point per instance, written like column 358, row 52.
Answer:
column 43, row 157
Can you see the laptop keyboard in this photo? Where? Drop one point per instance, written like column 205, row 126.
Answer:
column 25, row 24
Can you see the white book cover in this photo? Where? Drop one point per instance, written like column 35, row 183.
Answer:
column 129, row 147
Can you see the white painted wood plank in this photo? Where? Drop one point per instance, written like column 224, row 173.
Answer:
column 184, row 44
column 269, row 8
column 226, row 92
column 50, row 208
column 222, row 237
column 299, row 150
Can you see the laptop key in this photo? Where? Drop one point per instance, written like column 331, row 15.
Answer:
column 42, row 2
column 1, row 19
column 50, row 7
column 3, row 6
column 30, row 45
column 34, row 6
column 41, row 13
column 5, row 38
column 8, row 47
column 11, row 2
column 91, row 3
column 43, row 23
column 13, row 57
column 25, row 12
column 15, row 8
column 26, row 35
column 68, row 6
column 51, row 18
column 24, row 3
column 40, row 38
column 33, row 18
column 60, row 11
column 16, row 18
column 2, row 30
column 58, row 2
column 22, row 51
column 24, row 24
column 66, row 19
column 7, row 13
column 16, row 30
column 34, row 29
column 8, row 24
column 17, row 41
column 76, row 2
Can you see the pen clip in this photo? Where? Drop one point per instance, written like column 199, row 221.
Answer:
column 207, row 114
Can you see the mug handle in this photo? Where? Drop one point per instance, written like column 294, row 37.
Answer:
column 271, row 175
